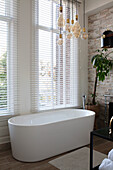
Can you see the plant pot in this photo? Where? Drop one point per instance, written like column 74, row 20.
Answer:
column 96, row 109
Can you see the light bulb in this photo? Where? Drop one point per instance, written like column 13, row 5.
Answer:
column 69, row 35
column 61, row 21
column 76, row 35
column 84, row 35
column 60, row 41
column 76, row 29
column 67, row 27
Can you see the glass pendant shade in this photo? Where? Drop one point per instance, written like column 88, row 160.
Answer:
column 69, row 35
column 84, row 35
column 76, row 29
column 61, row 21
column 60, row 41
column 68, row 28
column 76, row 35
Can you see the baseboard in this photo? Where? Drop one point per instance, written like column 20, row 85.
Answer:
column 4, row 139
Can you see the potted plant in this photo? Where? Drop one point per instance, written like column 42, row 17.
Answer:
column 102, row 66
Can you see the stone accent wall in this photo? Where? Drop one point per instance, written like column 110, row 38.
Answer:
column 97, row 24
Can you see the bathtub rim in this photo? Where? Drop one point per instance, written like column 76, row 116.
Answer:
column 43, row 124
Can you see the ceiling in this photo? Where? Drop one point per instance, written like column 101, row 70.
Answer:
column 93, row 6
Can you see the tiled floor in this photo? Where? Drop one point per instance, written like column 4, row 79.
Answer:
column 7, row 162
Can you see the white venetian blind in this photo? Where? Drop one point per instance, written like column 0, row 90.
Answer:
column 8, row 56
column 55, row 69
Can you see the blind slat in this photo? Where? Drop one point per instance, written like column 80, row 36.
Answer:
column 55, row 69
column 8, row 55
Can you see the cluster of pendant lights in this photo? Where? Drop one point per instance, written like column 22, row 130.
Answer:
column 73, row 29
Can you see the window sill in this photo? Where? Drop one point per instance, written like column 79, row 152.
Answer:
column 59, row 108
column 5, row 116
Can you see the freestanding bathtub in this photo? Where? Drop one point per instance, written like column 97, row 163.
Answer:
column 42, row 135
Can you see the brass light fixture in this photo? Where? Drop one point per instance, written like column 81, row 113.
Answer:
column 111, row 126
column 84, row 35
column 67, row 28
column 60, row 41
column 76, row 29
column 73, row 29
column 72, row 21
column 69, row 33
column 61, row 21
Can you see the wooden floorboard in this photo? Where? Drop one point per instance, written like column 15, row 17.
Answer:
column 7, row 162
column 102, row 145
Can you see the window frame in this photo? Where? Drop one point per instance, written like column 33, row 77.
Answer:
column 52, row 30
column 10, row 18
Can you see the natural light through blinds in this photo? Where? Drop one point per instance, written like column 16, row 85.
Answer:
column 55, row 69
column 8, row 55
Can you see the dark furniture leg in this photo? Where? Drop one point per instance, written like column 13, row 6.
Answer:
column 91, row 151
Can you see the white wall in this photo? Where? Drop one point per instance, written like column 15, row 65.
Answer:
column 24, row 61
column 24, row 55
column 4, row 132
column 83, row 59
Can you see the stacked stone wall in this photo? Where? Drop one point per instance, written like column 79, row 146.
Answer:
column 97, row 24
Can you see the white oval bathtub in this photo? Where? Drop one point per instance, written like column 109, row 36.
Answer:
column 39, row 136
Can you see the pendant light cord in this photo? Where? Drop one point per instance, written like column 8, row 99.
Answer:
column 72, row 9
column 76, row 7
column 68, row 4
column 60, row 2
column 84, row 15
column 68, row 10
column 60, row 30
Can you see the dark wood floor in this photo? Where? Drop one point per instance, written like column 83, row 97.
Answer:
column 7, row 162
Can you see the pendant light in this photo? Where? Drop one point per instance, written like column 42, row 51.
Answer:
column 61, row 21
column 76, row 29
column 73, row 30
column 84, row 35
column 68, row 26
column 60, row 41
column 72, row 21
column 69, row 35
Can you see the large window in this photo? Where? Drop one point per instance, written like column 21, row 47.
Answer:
column 55, row 69
column 8, row 22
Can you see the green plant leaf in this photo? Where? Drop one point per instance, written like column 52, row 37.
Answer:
column 102, row 66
